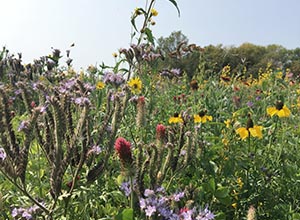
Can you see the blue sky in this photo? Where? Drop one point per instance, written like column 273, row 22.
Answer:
column 98, row 28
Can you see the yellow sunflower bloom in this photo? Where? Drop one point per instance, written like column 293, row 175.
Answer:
column 135, row 85
column 253, row 130
column 176, row 119
column 100, row 85
column 243, row 132
column 201, row 117
column 280, row 110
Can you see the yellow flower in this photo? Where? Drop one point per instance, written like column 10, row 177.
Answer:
column 135, row 85
column 240, row 182
column 100, row 85
column 176, row 119
column 201, row 117
column 154, row 12
column 234, row 205
column 114, row 54
column 225, row 141
column 253, row 130
column 227, row 123
column 280, row 109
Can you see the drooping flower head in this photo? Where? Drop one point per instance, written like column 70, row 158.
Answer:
column 123, row 150
column 176, row 119
column 280, row 109
column 135, row 85
column 201, row 117
column 250, row 129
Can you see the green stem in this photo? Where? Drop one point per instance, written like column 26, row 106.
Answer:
column 24, row 191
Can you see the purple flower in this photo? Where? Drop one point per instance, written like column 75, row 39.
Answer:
column 125, row 187
column 205, row 214
column 14, row 212
column 258, row 98
column 178, row 196
column 150, row 210
column 23, row 125
column 176, row 72
column 187, row 215
column 82, row 101
column 148, row 192
column 142, row 203
column 2, row 154
column 26, row 215
column 96, row 149
column 113, row 78
column 250, row 104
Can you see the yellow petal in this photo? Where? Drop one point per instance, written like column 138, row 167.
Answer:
column 256, row 131
column 284, row 112
column 243, row 132
column 272, row 111
column 197, row 119
column 208, row 117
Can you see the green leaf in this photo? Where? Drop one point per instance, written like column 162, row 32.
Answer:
column 212, row 185
column 296, row 216
column 175, row 4
column 149, row 34
column 222, row 193
column 126, row 214
column 133, row 22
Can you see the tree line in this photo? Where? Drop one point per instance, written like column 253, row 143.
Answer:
column 244, row 60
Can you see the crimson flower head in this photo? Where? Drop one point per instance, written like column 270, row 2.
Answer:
column 160, row 132
column 123, row 150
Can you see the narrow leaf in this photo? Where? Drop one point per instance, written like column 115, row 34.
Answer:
column 149, row 34
column 175, row 4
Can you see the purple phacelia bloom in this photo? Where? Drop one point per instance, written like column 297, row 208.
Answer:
column 23, row 125
column 96, row 149
column 125, row 187
column 150, row 210
column 18, row 91
column 205, row 214
column 176, row 72
column 82, row 101
column 26, row 215
column 113, row 78
column 178, row 196
column 148, row 192
column 2, row 154
column 250, row 104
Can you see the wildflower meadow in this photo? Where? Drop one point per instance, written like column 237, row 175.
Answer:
column 146, row 140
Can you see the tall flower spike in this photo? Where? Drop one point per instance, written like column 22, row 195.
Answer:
column 160, row 134
column 141, row 109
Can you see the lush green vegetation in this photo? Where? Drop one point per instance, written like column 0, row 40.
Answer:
column 172, row 131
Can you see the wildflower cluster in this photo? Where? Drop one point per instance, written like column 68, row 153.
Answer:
column 156, row 203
